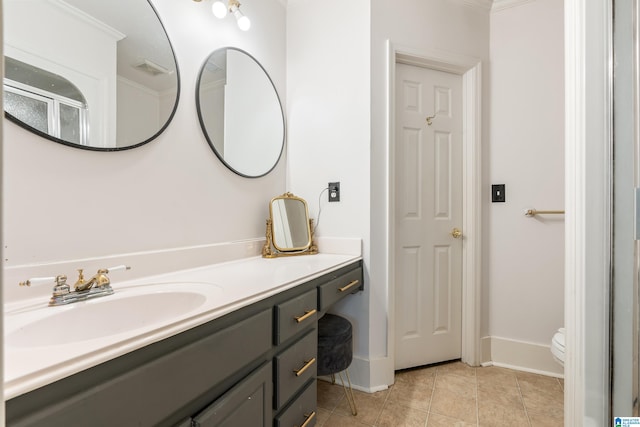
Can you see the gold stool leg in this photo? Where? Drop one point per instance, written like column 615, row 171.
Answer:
column 348, row 392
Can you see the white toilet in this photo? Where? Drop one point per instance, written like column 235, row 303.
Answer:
column 557, row 346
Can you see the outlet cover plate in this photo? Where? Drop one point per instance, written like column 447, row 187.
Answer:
column 334, row 191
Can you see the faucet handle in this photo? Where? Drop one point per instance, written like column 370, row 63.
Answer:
column 61, row 287
column 35, row 281
column 117, row 268
column 101, row 277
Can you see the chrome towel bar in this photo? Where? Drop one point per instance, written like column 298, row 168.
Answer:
column 534, row 212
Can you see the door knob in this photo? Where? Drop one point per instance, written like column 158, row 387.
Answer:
column 456, row 233
column 429, row 122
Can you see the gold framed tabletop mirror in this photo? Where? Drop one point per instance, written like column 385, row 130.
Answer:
column 289, row 229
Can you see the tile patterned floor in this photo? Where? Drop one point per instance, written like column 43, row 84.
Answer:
column 451, row 394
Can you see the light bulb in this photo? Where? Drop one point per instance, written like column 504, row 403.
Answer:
column 219, row 9
column 244, row 23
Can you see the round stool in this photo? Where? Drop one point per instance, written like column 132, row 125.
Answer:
column 335, row 351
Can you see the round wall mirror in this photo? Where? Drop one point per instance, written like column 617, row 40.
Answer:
column 93, row 74
column 240, row 112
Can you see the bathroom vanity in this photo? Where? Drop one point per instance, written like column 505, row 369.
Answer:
column 249, row 362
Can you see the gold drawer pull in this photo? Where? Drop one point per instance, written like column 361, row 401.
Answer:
column 306, row 315
column 306, row 366
column 350, row 285
column 308, row 419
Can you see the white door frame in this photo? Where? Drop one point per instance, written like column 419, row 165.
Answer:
column 470, row 70
column 588, row 168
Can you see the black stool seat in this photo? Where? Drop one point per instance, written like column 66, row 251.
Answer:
column 335, row 352
column 335, row 344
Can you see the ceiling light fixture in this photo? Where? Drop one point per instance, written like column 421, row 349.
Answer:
column 220, row 10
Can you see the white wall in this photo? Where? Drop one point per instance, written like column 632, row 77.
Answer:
column 525, row 258
column 328, row 102
column 64, row 204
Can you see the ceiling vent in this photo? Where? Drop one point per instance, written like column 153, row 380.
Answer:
column 152, row 68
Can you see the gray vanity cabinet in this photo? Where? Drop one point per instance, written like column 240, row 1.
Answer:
column 337, row 285
column 295, row 315
column 246, row 404
column 294, row 367
column 252, row 367
column 302, row 411
column 157, row 385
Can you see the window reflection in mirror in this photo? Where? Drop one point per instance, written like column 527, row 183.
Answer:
column 45, row 101
column 115, row 54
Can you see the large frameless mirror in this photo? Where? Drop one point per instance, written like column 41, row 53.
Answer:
column 289, row 229
column 92, row 74
column 240, row 112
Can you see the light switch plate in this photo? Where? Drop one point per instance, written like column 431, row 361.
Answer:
column 498, row 193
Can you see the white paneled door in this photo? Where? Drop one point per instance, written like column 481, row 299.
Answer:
column 428, row 216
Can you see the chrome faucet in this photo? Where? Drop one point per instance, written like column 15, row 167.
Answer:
column 99, row 285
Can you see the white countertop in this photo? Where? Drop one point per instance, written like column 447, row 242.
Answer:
column 232, row 285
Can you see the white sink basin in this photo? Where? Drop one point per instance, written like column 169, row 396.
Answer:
column 135, row 308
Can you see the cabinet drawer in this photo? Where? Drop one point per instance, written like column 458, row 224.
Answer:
column 294, row 367
column 339, row 287
column 302, row 410
column 295, row 315
column 248, row 403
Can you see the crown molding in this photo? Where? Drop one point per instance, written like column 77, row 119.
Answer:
column 499, row 5
column 483, row 5
column 88, row 19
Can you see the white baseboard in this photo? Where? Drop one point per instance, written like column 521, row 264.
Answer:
column 382, row 374
column 520, row 356
column 371, row 375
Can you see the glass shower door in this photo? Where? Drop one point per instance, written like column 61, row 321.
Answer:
column 625, row 375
